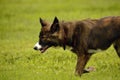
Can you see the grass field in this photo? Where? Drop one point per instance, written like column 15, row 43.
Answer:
column 19, row 29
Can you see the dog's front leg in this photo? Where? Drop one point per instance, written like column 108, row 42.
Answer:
column 82, row 59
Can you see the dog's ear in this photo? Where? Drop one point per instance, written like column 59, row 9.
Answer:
column 42, row 22
column 55, row 26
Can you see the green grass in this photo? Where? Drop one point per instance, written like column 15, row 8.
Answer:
column 19, row 29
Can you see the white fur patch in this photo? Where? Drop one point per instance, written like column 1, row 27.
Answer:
column 94, row 51
column 37, row 46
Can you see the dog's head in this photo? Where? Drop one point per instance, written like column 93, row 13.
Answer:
column 48, row 35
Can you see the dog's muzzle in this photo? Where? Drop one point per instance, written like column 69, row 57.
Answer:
column 37, row 46
column 41, row 48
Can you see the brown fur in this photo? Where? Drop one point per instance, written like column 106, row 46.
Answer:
column 82, row 36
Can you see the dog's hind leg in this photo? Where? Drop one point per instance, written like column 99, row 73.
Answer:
column 117, row 46
column 81, row 62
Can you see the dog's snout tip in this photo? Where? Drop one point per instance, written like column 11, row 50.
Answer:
column 35, row 48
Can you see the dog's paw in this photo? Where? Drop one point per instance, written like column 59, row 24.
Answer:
column 89, row 69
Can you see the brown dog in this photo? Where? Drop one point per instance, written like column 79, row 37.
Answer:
column 85, row 37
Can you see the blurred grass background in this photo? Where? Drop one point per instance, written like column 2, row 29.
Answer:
column 19, row 29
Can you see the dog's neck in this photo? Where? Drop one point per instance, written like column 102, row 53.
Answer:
column 67, row 33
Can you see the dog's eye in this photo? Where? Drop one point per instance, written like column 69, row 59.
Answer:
column 43, row 36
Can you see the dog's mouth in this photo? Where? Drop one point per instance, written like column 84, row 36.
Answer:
column 43, row 49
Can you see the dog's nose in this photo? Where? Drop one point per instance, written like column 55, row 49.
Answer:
column 35, row 48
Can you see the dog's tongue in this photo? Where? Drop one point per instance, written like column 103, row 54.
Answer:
column 42, row 50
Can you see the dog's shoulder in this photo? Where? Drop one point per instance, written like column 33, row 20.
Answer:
column 89, row 23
